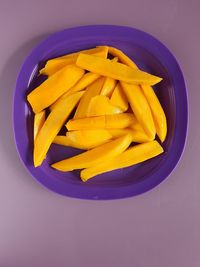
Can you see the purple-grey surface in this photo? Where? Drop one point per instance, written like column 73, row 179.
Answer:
column 40, row 228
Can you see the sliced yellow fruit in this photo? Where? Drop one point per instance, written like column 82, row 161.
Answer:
column 109, row 84
column 157, row 112
column 136, row 126
column 115, row 70
column 121, row 57
column 91, row 91
column 39, row 120
column 89, row 123
column 122, row 120
column 94, row 156
column 101, row 51
column 131, row 156
column 138, row 136
column 51, row 89
column 52, row 126
column 119, row 99
column 140, row 107
column 85, row 139
column 156, row 108
column 108, row 87
column 101, row 105
column 85, row 81
column 56, row 64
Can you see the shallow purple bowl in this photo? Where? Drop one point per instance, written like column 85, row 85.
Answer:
column 150, row 55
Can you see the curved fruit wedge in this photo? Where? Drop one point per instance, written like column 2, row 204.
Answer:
column 157, row 112
column 119, row 99
column 108, row 87
column 101, row 105
column 85, row 139
column 85, row 81
column 121, row 57
column 156, row 108
column 52, row 126
column 56, row 64
column 140, row 107
column 122, row 120
column 91, row 91
column 39, row 120
column 89, row 123
column 55, row 86
column 138, row 136
column 115, row 70
column 109, row 84
column 94, row 156
column 131, row 156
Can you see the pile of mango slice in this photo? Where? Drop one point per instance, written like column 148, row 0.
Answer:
column 116, row 111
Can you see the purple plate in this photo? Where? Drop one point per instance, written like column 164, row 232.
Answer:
column 150, row 55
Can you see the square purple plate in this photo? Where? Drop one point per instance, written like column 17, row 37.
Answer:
column 150, row 55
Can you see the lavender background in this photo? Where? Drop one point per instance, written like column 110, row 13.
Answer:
column 40, row 228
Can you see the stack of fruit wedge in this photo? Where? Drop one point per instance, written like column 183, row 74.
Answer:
column 116, row 112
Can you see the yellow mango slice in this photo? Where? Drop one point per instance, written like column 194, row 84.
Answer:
column 135, row 130
column 121, row 56
column 131, row 156
column 109, row 84
column 51, row 89
column 108, row 87
column 56, row 64
column 122, row 120
column 89, row 123
column 85, row 139
column 101, row 51
column 55, row 104
column 119, row 99
column 140, row 107
column 91, row 91
column 101, row 105
column 86, row 80
column 157, row 112
column 39, row 120
column 156, row 108
column 52, row 126
column 115, row 70
column 137, row 136
column 94, row 156
column 136, row 126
